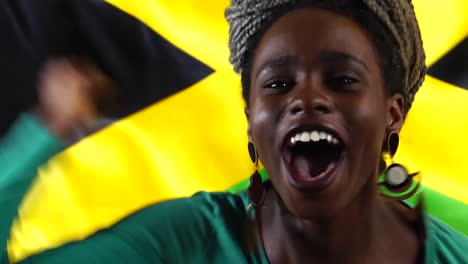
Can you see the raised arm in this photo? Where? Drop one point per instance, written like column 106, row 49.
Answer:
column 66, row 102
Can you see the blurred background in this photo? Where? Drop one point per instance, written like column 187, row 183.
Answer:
column 176, row 109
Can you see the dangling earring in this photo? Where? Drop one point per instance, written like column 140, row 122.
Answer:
column 397, row 183
column 256, row 190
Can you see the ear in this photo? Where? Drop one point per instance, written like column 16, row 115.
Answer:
column 395, row 113
column 247, row 115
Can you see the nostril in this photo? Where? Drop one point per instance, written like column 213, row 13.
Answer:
column 296, row 110
column 321, row 109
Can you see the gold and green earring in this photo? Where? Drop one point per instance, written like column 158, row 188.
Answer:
column 395, row 183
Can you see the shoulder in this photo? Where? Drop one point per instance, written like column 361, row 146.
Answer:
column 199, row 207
column 168, row 232
column 185, row 223
column 445, row 243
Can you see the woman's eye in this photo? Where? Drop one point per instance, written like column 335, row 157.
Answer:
column 279, row 84
column 345, row 80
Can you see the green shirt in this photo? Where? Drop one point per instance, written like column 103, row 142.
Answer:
column 206, row 228
column 26, row 146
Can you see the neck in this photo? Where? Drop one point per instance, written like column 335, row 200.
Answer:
column 359, row 233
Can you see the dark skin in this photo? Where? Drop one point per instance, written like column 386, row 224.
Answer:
column 315, row 67
column 69, row 89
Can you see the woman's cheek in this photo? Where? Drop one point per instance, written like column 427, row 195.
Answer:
column 263, row 128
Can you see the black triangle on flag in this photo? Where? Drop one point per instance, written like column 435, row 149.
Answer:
column 146, row 68
column 453, row 67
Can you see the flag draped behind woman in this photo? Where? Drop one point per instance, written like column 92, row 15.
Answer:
column 181, row 126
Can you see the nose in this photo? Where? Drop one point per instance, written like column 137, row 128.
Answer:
column 310, row 100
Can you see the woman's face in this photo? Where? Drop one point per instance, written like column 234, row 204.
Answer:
column 318, row 111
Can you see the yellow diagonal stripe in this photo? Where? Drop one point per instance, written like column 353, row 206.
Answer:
column 197, row 27
column 434, row 141
column 443, row 25
column 163, row 152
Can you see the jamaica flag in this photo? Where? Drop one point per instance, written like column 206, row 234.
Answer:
column 182, row 128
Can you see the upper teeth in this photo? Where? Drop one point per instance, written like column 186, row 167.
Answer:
column 313, row 136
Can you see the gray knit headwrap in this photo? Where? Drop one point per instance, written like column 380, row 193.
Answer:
column 247, row 17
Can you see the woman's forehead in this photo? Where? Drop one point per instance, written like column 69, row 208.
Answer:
column 314, row 34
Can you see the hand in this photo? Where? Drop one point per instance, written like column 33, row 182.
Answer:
column 66, row 91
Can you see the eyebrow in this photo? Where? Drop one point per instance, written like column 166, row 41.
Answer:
column 325, row 56
column 337, row 56
column 278, row 62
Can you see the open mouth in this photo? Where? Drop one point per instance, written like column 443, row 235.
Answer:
column 313, row 154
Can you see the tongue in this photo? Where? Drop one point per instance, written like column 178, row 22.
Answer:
column 310, row 165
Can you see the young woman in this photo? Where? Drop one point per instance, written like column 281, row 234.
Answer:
column 327, row 86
